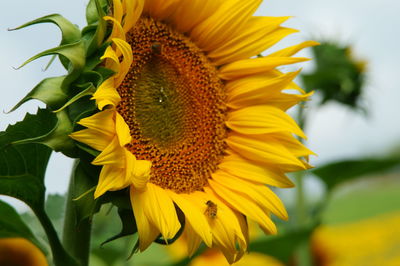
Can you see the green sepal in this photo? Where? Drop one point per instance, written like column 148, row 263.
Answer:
column 58, row 137
column 82, row 108
column 94, row 36
column 74, row 53
column 70, row 32
column 92, row 10
column 104, row 72
column 128, row 225
column 90, row 89
column 48, row 91
column 11, row 225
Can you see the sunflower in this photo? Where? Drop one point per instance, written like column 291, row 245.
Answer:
column 17, row 251
column 193, row 123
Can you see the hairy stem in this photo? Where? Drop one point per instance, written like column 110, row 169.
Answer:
column 76, row 234
column 60, row 256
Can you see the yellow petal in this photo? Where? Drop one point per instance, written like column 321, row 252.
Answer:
column 260, row 194
column 193, row 215
column 147, row 231
column 296, row 147
column 261, row 119
column 160, row 210
column 190, row 13
column 142, row 168
column 237, row 166
column 110, row 179
column 226, row 228
column 160, row 9
column 284, row 101
column 137, row 171
column 106, row 94
column 245, row 205
column 263, row 150
column 117, row 10
column 289, row 51
column 244, row 226
column 253, row 45
column 257, row 91
column 192, row 238
column 126, row 62
column 255, row 66
column 94, row 138
column 112, row 61
column 117, row 31
column 221, row 26
column 256, row 28
column 133, row 9
column 113, row 154
column 102, row 121
column 122, row 130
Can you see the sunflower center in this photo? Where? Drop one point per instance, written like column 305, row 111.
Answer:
column 173, row 103
column 159, row 109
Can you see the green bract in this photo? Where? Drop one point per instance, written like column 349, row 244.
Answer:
column 27, row 145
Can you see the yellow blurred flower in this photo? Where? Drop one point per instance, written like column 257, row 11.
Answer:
column 375, row 241
column 214, row 257
column 20, row 252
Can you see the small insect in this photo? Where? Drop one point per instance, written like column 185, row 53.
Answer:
column 156, row 48
column 211, row 210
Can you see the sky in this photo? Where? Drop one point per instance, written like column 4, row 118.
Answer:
column 334, row 131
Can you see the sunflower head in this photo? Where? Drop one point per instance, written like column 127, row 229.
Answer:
column 20, row 252
column 182, row 119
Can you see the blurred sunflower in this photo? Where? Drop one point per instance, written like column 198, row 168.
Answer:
column 191, row 120
column 17, row 251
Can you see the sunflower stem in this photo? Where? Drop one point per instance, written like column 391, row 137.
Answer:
column 76, row 234
column 300, row 199
column 301, row 206
column 60, row 256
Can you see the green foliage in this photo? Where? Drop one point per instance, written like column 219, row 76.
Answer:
column 333, row 174
column 48, row 91
column 283, row 246
column 128, row 225
column 376, row 196
column 337, row 76
column 11, row 225
column 22, row 167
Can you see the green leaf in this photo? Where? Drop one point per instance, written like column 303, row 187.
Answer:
column 48, row 91
column 283, row 246
column 57, row 138
column 11, row 225
column 22, row 167
column 336, row 173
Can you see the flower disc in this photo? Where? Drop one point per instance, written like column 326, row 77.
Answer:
column 173, row 102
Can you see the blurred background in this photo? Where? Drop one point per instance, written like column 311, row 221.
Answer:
column 348, row 209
